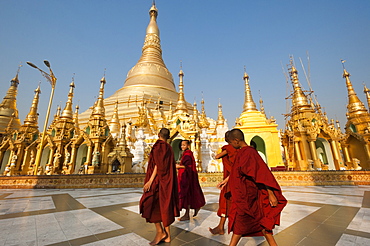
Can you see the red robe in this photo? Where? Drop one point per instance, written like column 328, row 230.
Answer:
column 190, row 192
column 227, row 160
column 250, row 208
column 160, row 203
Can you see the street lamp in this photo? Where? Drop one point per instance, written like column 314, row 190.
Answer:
column 51, row 78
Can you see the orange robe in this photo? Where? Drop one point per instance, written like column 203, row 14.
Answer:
column 227, row 161
column 190, row 192
column 160, row 203
column 250, row 208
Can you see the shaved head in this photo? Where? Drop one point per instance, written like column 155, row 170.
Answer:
column 236, row 134
column 164, row 133
column 227, row 136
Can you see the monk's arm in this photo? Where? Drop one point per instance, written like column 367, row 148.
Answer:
column 186, row 161
column 150, row 181
column 222, row 154
column 272, row 198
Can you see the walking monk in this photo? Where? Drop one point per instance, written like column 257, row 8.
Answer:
column 227, row 154
column 190, row 193
column 257, row 200
column 159, row 203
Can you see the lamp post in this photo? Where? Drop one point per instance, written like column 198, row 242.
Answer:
column 53, row 80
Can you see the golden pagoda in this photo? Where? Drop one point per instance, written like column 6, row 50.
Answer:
column 149, row 84
column 356, row 144
column 259, row 132
column 310, row 141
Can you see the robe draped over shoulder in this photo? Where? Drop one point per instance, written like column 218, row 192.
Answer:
column 250, row 210
column 190, row 192
column 160, row 203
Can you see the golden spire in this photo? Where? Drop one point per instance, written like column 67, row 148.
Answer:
column 32, row 117
column 203, row 123
column 8, row 107
column 249, row 104
column 114, row 125
column 355, row 106
column 181, row 103
column 150, row 70
column 75, row 118
column 262, row 108
column 299, row 98
column 367, row 93
column 67, row 111
column 220, row 119
column 195, row 113
column 99, row 105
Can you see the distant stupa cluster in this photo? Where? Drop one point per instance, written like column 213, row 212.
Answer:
column 116, row 134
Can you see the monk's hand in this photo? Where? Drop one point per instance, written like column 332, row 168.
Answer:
column 147, row 186
column 222, row 184
column 272, row 198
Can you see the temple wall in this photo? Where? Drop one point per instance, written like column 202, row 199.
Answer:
column 288, row 178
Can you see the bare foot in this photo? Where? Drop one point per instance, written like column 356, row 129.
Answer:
column 184, row 218
column 158, row 238
column 216, row 231
column 196, row 212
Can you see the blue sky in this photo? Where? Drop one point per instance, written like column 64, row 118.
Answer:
column 213, row 39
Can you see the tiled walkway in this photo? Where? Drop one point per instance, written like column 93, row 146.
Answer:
column 314, row 216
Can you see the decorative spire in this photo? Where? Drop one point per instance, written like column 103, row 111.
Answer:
column 181, row 103
column 195, row 113
column 67, row 111
column 8, row 107
column 367, row 93
column 249, row 104
column 355, row 106
column 32, row 117
column 203, row 123
column 220, row 119
column 299, row 100
column 99, row 105
column 114, row 124
column 262, row 108
column 152, row 51
column 75, row 118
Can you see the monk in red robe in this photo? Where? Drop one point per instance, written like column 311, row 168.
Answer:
column 257, row 200
column 227, row 154
column 190, row 193
column 159, row 203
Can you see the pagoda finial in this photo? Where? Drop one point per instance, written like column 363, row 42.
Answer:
column 299, row 100
column 114, row 125
column 262, row 108
column 220, row 118
column 367, row 93
column 354, row 107
column 32, row 117
column 181, row 103
column 203, row 123
column 68, row 111
column 249, row 104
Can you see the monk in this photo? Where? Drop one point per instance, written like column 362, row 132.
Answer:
column 227, row 154
column 257, row 200
column 190, row 193
column 159, row 203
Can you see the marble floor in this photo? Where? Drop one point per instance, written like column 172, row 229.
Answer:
column 315, row 215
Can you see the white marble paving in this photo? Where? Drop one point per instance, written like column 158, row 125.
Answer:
column 55, row 227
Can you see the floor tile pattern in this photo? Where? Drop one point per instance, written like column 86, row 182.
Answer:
column 315, row 215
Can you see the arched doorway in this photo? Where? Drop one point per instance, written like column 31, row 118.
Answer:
column 175, row 144
column 324, row 153
column 115, row 165
column 4, row 161
column 258, row 143
column 81, row 158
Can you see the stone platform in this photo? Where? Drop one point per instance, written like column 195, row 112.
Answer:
column 134, row 180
